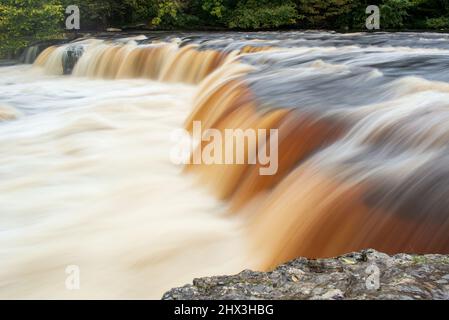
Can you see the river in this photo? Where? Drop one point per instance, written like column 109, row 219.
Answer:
column 86, row 178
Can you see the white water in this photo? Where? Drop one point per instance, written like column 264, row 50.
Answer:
column 85, row 179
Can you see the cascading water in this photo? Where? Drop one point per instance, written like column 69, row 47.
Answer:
column 86, row 177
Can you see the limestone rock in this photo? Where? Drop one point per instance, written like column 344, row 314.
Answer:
column 362, row 275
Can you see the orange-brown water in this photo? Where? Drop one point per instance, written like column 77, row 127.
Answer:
column 363, row 157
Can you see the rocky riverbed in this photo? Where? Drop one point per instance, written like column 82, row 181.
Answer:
column 361, row 275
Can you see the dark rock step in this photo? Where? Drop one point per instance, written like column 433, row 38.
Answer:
column 352, row 276
column 7, row 62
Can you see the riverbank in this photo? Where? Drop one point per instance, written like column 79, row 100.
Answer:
column 350, row 276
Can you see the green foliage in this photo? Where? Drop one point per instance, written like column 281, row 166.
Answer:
column 394, row 13
column 102, row 13
column 319, row 13
column 215, row 8
column 24, row 21
column 428, row 14
column 139, row 11
column 167, row 12
column 253, row 14
column 437, row 23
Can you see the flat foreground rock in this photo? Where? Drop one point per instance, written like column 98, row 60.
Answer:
column 362, row 275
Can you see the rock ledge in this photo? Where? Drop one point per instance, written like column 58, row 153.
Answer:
column 362, row 275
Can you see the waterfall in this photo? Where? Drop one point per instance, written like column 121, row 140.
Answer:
column 363, row 157
column 309, row 190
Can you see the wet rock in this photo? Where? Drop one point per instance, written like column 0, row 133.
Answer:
column 361, row 275
column 29, row 54
column 113, row 30
column 71, row 57
column 8, row 62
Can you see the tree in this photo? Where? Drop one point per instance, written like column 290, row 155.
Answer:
column 99, row 14
column 24, row 21
column 324, row 14
column 263, row 14
column 394, row 13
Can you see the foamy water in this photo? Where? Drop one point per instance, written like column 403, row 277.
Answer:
column 86, row 180
column 86, row 177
